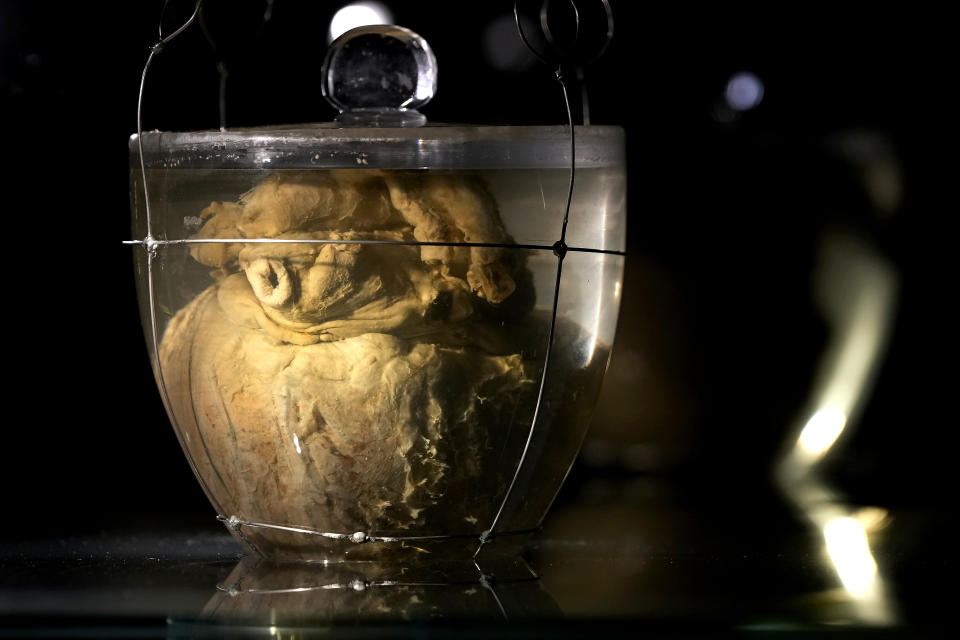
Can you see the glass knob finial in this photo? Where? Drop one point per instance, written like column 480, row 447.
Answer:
column 379, row 75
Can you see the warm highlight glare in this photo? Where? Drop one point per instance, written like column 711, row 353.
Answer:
column 850, row 552
column 822, row 430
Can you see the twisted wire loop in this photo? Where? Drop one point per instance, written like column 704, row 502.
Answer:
column 560, row 249
column 561, row 50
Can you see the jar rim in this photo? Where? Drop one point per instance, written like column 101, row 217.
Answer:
column 327, row 146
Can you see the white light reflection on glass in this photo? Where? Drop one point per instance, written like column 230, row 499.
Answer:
column 822, row 430
column 744, row 91
column 602, row 300
column 595, row 326
column 358, row 14
column 850, row 552
column 296, row 443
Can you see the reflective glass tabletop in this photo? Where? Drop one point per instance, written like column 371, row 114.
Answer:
column 620, row 558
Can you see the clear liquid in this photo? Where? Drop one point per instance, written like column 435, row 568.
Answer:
column 301, row 406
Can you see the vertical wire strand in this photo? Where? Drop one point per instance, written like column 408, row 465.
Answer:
column 573, row 162
column 143, row 169
column 154, row 50
column 560, row 248
column 151, row 248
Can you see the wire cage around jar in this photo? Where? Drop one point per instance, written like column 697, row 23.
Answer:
column 379, row 343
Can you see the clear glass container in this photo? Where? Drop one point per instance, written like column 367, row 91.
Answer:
column 349, row 325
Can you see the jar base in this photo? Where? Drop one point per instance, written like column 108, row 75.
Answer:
column 293, row 545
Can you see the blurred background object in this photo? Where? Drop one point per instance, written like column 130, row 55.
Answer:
column 784, row 340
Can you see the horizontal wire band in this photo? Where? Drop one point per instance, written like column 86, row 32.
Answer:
column 356, row 585
column 403, row 243
column 358, row 537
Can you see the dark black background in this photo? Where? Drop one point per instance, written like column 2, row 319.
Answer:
column 723, row 218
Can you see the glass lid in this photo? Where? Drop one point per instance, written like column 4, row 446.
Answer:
column 328, row 146
column 377, row 77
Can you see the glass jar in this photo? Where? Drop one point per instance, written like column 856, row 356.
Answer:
column 362, row 334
